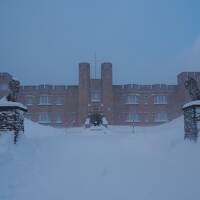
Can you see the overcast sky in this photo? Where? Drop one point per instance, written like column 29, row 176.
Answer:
column 148, row 41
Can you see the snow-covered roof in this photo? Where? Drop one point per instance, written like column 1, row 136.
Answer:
column 192, row 103
column 5, row 103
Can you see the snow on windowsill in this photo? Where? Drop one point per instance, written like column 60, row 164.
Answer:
column 161, row 120
column 44, row 122
column 59, row 122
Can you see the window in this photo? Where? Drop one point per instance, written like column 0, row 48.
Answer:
column 145, row 99
column 132, row 99
column 29, row 100
column 44, row 100
column 147, row 117
column 58, row 117
column 161, row 117
column 160, row 99
column 44, row 117
column 132, row 116
column 95, row 96
column 59, row 100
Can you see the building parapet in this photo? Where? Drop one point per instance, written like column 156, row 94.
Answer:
column 138, row 87
column 46, row 87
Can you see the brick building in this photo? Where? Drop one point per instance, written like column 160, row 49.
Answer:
column 62, row 105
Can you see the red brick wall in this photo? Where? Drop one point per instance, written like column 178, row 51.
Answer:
column 84, row 92
column 107, row 91
column 77, row 102
column 68, row 110
column 145, row 107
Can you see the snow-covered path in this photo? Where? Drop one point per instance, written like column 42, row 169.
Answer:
column 48, row 164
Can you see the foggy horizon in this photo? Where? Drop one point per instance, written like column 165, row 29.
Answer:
column 43, row 41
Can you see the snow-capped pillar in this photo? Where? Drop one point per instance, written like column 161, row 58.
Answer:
column 12, row 117
column 192, row 119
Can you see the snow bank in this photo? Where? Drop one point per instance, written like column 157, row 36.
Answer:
column 154, row 163
column 34, row 130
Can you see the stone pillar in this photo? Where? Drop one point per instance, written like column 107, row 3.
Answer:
column 192, row 120
column 84, row 92
column 12, row 117
column 107, row 91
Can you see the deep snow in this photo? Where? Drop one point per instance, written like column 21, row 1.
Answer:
column 154, row 163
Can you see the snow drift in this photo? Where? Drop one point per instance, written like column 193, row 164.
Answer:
column 154, row 163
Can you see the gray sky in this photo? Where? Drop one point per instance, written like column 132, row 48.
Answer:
column 148, row 41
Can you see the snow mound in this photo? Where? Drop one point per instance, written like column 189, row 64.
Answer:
column 154, row 163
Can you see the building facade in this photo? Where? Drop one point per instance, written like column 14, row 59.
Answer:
column 62, row 105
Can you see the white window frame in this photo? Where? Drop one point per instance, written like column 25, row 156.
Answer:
column 132, row 116
column 160, row 99
column 28, row 103
column 44, row 117
column 161, row 117
column 46, row 102
column 59, row 100
column 132, row 99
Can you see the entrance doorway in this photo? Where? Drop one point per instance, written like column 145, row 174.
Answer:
column 96, row 119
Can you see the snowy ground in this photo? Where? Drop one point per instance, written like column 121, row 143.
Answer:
column 75, row 164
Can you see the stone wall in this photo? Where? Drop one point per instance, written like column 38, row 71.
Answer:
column 11, row 121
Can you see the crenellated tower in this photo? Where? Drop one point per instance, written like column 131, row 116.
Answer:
column 84, row 92
column 107, row 91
